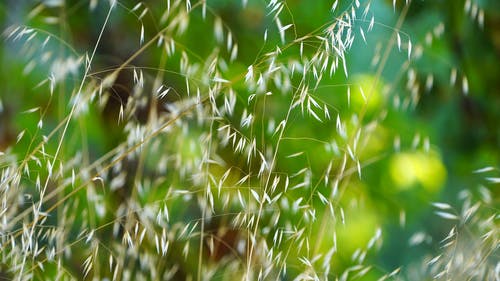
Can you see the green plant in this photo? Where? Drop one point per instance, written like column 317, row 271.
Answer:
column 163, row 144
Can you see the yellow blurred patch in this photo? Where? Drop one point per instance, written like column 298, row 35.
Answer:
column 366, row 90
column 407, row 169
column 360, row 227
column 361, row 219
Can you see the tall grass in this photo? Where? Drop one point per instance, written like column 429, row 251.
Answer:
column 186, row 151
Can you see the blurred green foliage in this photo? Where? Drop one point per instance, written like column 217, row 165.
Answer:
column 423, row 148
